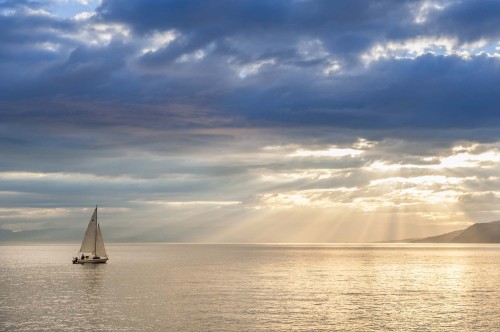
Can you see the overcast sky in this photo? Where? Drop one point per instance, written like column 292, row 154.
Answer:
column 249, row 121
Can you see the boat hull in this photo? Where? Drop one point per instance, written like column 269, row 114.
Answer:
column 91, row 261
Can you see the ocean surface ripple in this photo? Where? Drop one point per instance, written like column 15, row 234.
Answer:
column 188, row 287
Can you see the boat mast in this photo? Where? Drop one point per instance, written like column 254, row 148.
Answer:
column 95, row 236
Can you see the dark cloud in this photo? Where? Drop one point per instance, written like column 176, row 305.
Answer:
column 469, row 21
column 346, row 28
column 429, row 91
column 253, row 71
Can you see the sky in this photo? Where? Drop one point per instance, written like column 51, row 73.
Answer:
column 249, row 121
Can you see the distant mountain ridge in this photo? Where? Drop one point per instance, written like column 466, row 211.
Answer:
column 477, row 233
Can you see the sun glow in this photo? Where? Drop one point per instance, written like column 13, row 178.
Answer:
column 333, row 152
column 193, row 203
column 426, row 188
column 466, row 159
column 426, row 180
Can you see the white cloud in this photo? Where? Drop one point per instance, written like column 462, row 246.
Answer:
column 254, row 67
column 333, row 152
column 312, row 49
column 411, row 48
column 425, row 8
column 467, row 159
column 99, row 34
column 192, row 203
column 415, row 47
column 159, row 40
column 332, row 68
column 426, row 180
column 36, row 12
column 83, row 16
column 193, row 56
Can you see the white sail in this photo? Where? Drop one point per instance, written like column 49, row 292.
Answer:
column 92, row 249
column 89, row 241
column 99, row 245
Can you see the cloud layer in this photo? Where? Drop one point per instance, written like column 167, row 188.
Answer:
column 244, row 120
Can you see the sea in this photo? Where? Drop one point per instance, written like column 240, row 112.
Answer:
column 252, row 287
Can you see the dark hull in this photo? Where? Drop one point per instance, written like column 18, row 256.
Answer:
column 90, row 261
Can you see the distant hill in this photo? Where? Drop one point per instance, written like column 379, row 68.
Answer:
column 477, row 233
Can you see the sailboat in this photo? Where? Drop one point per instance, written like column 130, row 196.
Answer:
column 92, row 250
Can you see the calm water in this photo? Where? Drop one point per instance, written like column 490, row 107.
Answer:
column 252, row 288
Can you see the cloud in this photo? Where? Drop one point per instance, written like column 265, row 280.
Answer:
column 222, row 114
column 469, row 20
column 243, row 65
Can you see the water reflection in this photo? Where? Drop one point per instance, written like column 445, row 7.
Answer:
column 89, row 295
column 257, row 288
column 92, row 279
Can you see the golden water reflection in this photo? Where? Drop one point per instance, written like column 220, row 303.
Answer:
column 254, row 288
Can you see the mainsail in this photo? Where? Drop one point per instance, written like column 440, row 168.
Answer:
column 92, row 242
